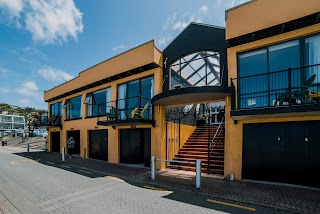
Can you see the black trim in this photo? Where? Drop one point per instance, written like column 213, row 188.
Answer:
column 219, row 91
column 192, row 39
column 275, row 30
column 127, row 122
column 276, row 110
column 78, row 118
column 107, row 80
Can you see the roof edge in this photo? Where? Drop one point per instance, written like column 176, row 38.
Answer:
column 235, row 7
column 193, row 23
column 103, row 62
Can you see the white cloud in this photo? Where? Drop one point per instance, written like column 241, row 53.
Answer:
column 12, row 7
column 119, row 48
column 29, row 89
column 170, row 20
column 204, row 9
column 53, row 21
column 162, row 41
column 181, row 24
column 48, row 21
column 54, row 75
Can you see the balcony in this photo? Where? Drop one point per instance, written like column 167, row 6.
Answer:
column 126, row 112
column 294, row 92
column 54, row 120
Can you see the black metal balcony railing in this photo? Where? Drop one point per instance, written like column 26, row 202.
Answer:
column 132, row 108
column 298, row 86
column 52, row 120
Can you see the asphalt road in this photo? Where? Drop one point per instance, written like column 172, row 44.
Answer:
column 28, row 186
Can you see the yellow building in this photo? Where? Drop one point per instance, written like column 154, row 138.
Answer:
column 244, row 99
column 272, row 125
column 107, row 108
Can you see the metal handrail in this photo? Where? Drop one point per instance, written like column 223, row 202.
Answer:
column 218, row 132
column 275, row 72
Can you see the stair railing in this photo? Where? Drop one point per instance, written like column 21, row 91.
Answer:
column 214, row 140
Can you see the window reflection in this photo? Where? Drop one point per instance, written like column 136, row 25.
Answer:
column 97, row 102
column 73, row 107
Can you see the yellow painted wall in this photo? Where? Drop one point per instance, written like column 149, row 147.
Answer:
column 86, row 124
column 261, row 14
column 173, row 137
column 134, row 58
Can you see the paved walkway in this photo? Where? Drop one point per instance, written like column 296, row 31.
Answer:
column 288, row 198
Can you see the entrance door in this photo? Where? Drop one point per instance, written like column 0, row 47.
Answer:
column 135, row 146
column 282, row 152
column 76, row 136
column 55, row 141
column 98, row 144
column 173, row 136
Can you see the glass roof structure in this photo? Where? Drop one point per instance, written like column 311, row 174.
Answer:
column 197, row 69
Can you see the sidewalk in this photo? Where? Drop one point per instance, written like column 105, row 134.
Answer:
column 290, row 198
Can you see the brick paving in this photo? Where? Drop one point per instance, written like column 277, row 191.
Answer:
column 288, row 198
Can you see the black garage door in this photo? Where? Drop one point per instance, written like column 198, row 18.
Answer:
column 98, row 144
column 282, row 152
column 55, row 141
column 135, row 146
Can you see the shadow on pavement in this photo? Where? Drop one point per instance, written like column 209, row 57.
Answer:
column 139, row 177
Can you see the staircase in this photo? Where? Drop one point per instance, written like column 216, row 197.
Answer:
column 196, row 147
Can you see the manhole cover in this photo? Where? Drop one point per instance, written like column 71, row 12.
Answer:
column 23, row 161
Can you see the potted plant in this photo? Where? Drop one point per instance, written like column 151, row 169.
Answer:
column 201, row 120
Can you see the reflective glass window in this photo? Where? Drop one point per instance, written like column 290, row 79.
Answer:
column 73, row 107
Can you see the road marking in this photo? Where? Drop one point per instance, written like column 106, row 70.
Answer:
column 23, row 161
column 158, row 189
column 232, row 205
column 49, row 162
column 84, row 171
column 114, row 178
column 65, row 166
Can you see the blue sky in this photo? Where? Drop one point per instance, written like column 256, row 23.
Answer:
column 44, row 43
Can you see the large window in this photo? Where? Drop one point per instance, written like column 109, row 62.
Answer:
column 264, row 76
column 135, row 94
column 198, row 69
column 262, row 84
column 73, row 107
column 55, row 109
column 312, row 57
column 55, row 113
column 98, row 102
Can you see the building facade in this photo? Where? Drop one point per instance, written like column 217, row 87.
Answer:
column 107, row 109
column 254, row 84
column 11, row 122
column 273, row 122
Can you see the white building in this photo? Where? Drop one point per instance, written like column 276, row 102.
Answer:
column 11, row 122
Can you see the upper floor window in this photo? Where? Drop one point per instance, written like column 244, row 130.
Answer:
column 73, row 107
column 97, row 102
column 18, row 119
column 198, row 69
column 264, row 75
column 55, row 109
column 135, row 94
column 55, row 113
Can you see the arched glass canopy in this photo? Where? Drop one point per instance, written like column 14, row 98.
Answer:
column 197, row 69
